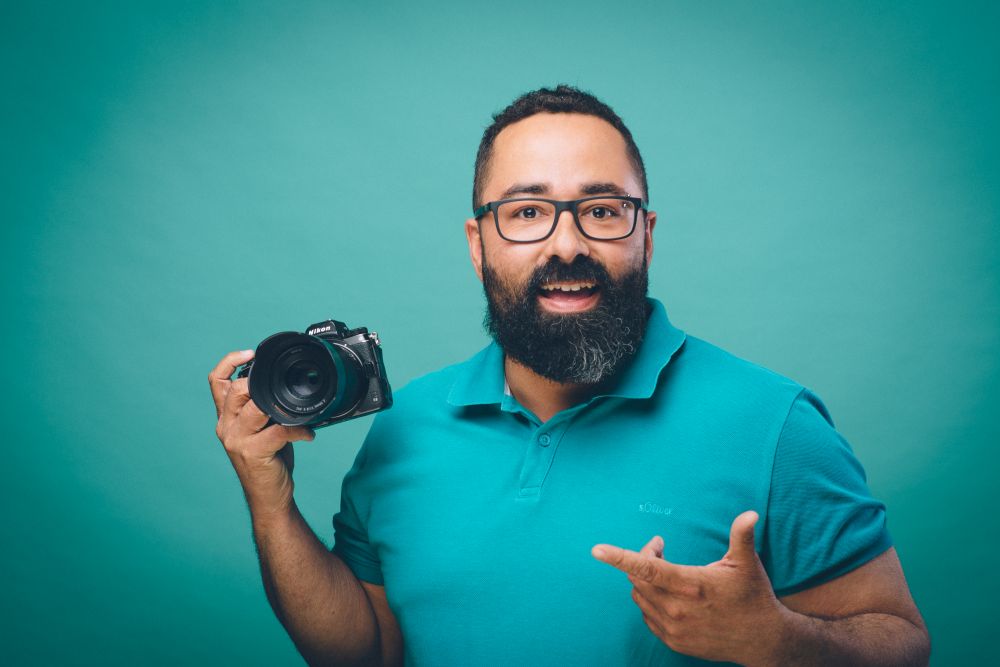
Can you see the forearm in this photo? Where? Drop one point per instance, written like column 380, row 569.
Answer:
column 314, row 594
column 863, row 639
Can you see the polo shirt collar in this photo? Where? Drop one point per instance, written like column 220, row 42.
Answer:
column 481, row 379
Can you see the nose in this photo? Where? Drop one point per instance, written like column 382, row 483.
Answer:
column 566, row 241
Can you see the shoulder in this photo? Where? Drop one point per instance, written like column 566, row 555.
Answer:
column 431, row 388
column 713, row 374
column 703, row 356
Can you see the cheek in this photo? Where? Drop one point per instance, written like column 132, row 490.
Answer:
column 513, row 263
column 622, row 259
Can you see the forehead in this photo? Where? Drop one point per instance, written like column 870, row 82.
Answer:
column 562, row 150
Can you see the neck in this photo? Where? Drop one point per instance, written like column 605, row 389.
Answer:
column 542, row 396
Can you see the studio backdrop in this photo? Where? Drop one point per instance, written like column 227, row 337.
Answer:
column 179, row 180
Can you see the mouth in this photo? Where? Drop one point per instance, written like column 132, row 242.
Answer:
column 567, row 297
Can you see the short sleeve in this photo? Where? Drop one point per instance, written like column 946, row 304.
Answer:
column 350, row 524
column 822, row 520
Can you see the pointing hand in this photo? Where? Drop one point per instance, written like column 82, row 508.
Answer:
column 725, row 610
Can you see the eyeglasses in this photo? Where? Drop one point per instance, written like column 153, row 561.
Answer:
column 528, row 220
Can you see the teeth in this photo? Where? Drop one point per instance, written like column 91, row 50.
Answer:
column 572, row 287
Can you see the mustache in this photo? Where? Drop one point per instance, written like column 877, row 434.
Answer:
column 582, row 268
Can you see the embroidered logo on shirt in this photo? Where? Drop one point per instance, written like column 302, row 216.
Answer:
column 653, row 508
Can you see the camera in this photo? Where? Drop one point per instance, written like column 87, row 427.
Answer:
column 326, row 375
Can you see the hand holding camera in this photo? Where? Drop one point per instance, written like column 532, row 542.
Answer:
column 292, row 384
column 258, row 452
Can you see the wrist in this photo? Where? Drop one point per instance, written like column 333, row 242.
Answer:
column 268, row 489
column 270, row 501
column 775, row 638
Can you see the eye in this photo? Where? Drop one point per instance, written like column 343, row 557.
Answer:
column 602, row 212
column 528, row 213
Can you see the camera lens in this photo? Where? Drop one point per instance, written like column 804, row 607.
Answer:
column 297, row 379
column 303, row 379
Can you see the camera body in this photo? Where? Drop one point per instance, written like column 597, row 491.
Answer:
column 326, row 375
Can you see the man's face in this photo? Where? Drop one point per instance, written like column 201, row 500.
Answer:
column 575, row 336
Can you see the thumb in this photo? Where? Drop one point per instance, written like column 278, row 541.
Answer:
column 653, row 548
column 741, row 540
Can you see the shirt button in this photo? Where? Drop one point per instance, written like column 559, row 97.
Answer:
column 544, row 440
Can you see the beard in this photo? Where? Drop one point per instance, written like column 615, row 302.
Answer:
column 582, row 348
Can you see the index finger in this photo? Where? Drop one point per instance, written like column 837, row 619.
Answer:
column 219, row 378
column 656, row 571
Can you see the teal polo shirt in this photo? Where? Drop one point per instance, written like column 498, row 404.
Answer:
column 479, row 519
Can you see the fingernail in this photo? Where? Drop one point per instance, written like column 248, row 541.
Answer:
column 600, row 552
column 246, row 353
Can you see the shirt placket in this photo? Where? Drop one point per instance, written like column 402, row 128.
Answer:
column 539, row 453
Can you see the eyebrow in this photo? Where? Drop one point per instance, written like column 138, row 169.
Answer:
column 598, row 188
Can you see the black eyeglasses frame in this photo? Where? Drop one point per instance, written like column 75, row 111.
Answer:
column 570, row 205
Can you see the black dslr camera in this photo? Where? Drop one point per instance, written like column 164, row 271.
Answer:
column 327, row 375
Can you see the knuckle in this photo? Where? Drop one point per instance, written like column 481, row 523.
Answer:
column 672, row 638
column 654, row 627
column 227, row 440
column 242, row 450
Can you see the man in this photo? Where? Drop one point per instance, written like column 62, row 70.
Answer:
column 490, row 515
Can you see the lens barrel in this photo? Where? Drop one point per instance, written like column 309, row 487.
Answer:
column 298, row 379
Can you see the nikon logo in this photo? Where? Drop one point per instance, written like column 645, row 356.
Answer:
column 319, row 330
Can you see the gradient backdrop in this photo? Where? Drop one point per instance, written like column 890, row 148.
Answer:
column 181, row 179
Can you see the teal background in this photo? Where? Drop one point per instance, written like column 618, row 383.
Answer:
column 182, row 179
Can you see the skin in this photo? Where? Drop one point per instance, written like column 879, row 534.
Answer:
column 557, row 156
column 725, row 610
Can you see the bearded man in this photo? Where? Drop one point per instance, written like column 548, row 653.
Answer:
column 595, row 486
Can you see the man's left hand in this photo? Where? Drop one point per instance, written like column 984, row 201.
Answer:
column 725, row 610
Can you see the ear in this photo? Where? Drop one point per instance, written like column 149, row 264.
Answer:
column 472, row 234
column 648, row 236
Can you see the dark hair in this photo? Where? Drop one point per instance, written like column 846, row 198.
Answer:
column 562, row 99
